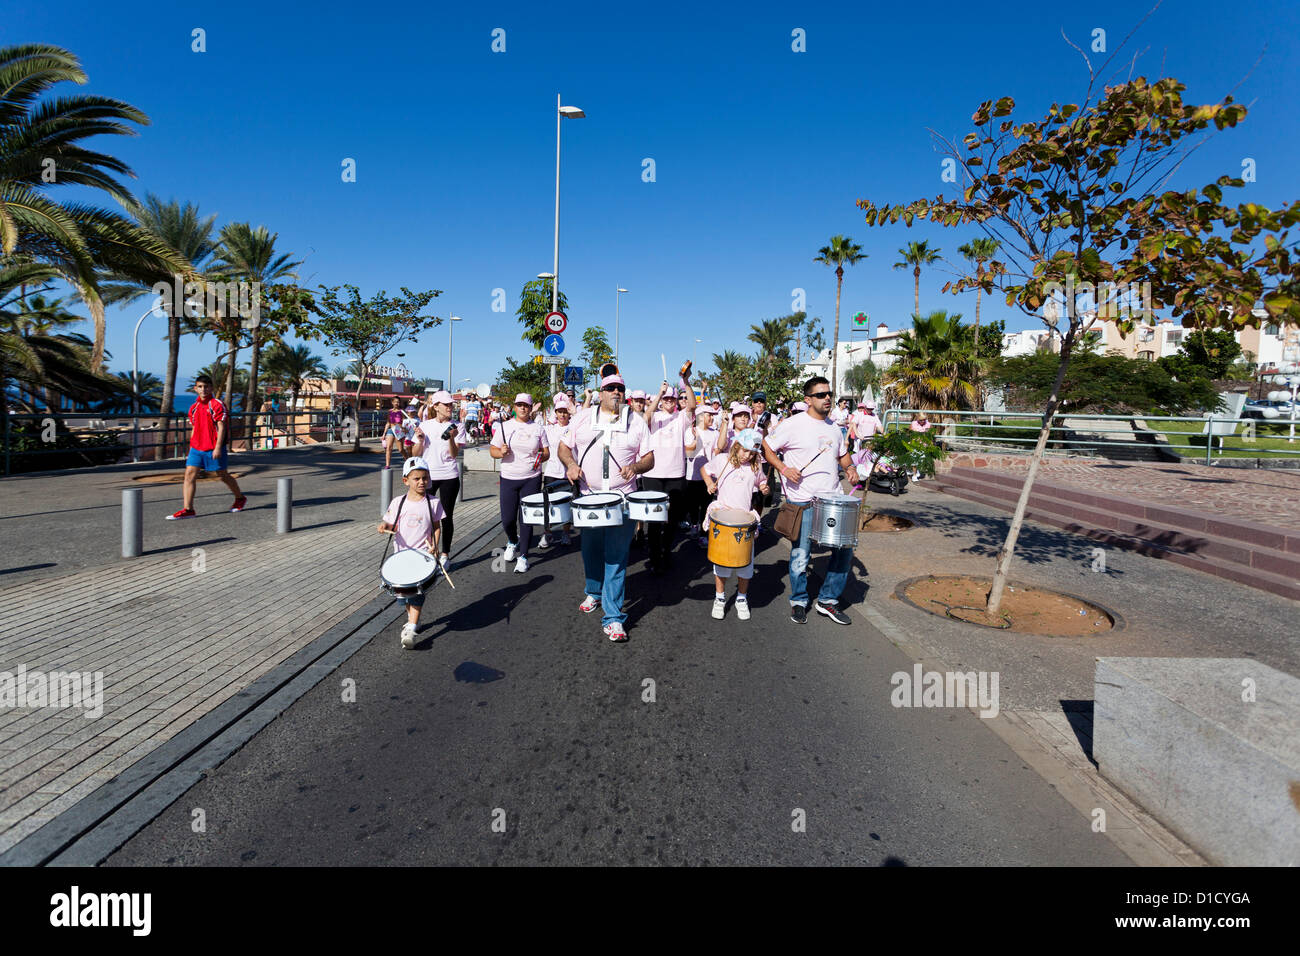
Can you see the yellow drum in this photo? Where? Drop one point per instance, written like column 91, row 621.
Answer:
column 731, row 538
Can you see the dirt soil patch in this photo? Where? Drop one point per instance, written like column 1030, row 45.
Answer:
column 1025, row 609
column 874, row 522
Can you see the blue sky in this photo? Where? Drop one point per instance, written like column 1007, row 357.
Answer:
column 760, row 152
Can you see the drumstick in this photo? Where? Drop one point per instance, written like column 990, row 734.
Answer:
column 664, row 362
column 446, row 575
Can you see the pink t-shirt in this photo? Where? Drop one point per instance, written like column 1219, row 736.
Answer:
column 414, row 530
column 437, row 451
column 667, row 440
column 524, row 440
column 736, row 483
column 629, row 442
column 705, row 439
column 556, row 435
column 918, row 427
column 866, row 425
column 814, row 448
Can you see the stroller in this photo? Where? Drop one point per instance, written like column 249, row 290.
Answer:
column 886, row 476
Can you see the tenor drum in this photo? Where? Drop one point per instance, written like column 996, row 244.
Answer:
column 535, row 510
column 835, row 520
column 647, row 506
column 602, row 509
column 731, row 538
column 408, row 573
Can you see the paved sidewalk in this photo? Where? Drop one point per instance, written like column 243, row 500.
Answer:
column 174, row 636
column 1254, row 494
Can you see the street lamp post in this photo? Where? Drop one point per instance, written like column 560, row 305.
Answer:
column 561, row 112
column 135, row 381
column 451, row 320
column 617, row 292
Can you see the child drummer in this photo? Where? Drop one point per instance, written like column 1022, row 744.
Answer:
column 734, row 477
column 419, row 527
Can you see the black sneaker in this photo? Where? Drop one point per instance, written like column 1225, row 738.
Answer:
column 833, row 612
column 798, row 614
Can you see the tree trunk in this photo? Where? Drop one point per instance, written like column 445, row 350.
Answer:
column 979, row 294
column 169, row 381
column 228, row 392
column 250, row 397
column 835, row 342
column 1018, row 519
column 356, row 409
column 916, row 275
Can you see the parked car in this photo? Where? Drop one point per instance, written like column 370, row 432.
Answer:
column 1266, row 408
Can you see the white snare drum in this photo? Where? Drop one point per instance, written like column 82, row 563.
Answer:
column 647, row 506
column 408, row 573
column 601, row 509
column 835, row 520
column 535, row 511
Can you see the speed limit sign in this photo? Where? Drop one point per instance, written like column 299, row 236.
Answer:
column 556, row 322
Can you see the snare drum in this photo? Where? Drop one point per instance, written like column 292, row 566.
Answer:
column 408, row 573
column 535, row 511
column 647, row 506
column 835, row 520
column 602, row 509
column 731, row 538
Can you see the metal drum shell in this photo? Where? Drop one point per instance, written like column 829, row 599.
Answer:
column 835, row 520
column 599, row 509
column 731, row 538
column 396, row 579
column 533, row 508
column 647, row 506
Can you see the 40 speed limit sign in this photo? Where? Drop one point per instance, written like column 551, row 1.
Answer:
column 556, row 322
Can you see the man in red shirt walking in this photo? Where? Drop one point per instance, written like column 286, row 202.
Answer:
column 207, row 447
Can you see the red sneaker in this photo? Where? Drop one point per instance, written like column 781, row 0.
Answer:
column 183, row 513
column 239, row 504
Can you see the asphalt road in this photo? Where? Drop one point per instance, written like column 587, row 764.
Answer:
column 514, row 710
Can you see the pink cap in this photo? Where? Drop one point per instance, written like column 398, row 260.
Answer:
column 636, row 393
column 563, row 401
column 670, row 392
column 440, row 398
column 799, row 407
column 525, row 398
column 739, row 409
column 862, row 404
column 613, row 380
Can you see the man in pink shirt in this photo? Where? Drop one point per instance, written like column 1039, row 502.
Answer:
column 814, row 449
column 668, row 427
column 606, row 448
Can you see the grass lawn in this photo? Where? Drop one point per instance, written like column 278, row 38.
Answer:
column 1270, row 435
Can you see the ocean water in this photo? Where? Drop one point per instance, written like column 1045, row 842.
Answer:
column 182, row 403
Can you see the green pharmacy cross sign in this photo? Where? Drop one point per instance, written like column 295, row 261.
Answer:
column 860, row 320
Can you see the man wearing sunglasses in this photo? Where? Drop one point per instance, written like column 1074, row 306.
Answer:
column 605, row 450
column 814, row 450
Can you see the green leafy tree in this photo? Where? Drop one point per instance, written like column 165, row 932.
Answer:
column 1102, row 385
column 841, row 252
column 1065, row 197
column 596, row 351
column 368, row 329
column 290, row 367
column 915, row 255
column 531, row 377
column 1204, row 353
column 534, row 304
column 862, row 375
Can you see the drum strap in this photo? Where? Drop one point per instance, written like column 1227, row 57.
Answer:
column 398, row 517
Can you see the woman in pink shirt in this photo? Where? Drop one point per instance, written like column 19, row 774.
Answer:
column 668, row 441
column 734, row 478
column 920, row 423
column 522, row 448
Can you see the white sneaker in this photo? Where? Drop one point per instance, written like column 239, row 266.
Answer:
column 521, row 565
column 719, row 608
column 509, row 552
column 545, row 542
column 408, row 635
column 442, row 560
column 742, row 607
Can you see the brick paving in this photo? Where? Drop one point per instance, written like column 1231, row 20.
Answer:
column 1265, row 496
column 172, row 643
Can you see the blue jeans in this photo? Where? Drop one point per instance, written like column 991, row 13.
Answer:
column 837, row 574
column 604, row 559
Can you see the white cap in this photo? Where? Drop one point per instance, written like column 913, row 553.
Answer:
column 414, row 464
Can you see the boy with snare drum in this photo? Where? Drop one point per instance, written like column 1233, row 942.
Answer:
column 414, row 520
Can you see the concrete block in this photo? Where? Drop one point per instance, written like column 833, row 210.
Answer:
column 1210, row 747
column 478, row 459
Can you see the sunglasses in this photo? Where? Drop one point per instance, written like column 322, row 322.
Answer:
column 613, row 388
column 821, row 395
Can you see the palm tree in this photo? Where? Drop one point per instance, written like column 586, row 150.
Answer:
column 219, row 371
column 978, row 252
column 842, row 251
column 38, row 139
column 290, row 368
column 150, row 393
column 245, row 254
column 935, row 367
column 917, row 254
column 772, row 337
column 181, row 228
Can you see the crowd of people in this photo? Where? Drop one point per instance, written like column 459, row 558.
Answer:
column 711, row 463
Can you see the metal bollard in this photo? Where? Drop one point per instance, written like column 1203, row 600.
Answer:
column 385, row 489
column 284, row 505
column 132, row 522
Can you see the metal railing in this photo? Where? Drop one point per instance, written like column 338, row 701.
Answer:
column 1207, row 438
column 50, row 441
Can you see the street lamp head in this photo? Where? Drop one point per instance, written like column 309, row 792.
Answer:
column 571, row 112
column 622, row 290
column 454, row 318
column 546, row 275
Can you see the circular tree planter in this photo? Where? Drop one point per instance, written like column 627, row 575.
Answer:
column 881, row 522
column 1026, row 609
